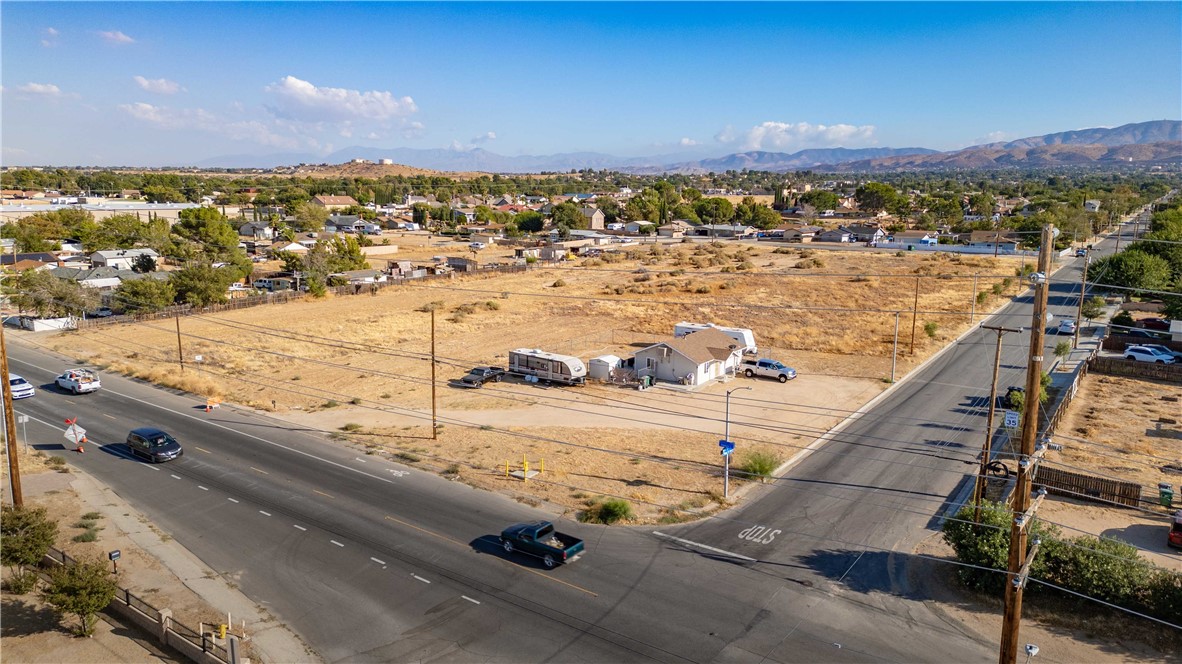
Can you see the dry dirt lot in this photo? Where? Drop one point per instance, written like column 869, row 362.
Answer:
column 358, row 365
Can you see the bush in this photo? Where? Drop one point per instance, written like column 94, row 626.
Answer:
column 559, row 284
column 80, row 590
column 1093, row 307
column 759, row 464
column 430, row 306
column 606, row 510
column 929, row 328
column 1123, row 319
column 351, row 426
column 28, row 533
column 989, row 545
column 530, row 260
column 1062, row 349
column 982, row 297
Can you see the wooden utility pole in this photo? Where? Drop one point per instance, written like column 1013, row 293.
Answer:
column 914, row 315
column 987, row 446
column 14, row 470
column 434, row 410
column 1083, row 292
column 1019, row 567
column 180, row 354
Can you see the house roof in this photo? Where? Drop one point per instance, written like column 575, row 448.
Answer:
column 703, row 346
column 990, row 236
column 27, row 264
column 334, row 200
column 107, row 254
column 914, row 234
column 43, row 256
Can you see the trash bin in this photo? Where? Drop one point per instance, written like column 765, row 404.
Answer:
column 1165, row 494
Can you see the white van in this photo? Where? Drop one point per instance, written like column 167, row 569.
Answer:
column 742, row 335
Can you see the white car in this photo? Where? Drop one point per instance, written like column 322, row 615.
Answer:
column 477, row 246
column 20, row 388
column 1066, row 326
column 78, row 381
column 1143, row 354
column 1177, row 355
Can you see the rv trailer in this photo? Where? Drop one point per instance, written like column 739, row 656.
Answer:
column 547, row 366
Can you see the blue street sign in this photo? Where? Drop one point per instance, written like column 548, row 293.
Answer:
column 727, row 447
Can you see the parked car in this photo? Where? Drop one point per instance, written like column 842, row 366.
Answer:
column 20, row 388
column 1177, row 355
column 540, row 539
column 1162, row 324
column 78, row 381
column 476, row 246
column 478, row 376
column 1066, row 326
column 102, row 312
column 153, row 444
column 1174, row 538
column 768, row 369
column 1138, row 332
column 1144, row 354
column 1081, row 253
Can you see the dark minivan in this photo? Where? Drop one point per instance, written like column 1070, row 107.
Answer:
column 153, row 444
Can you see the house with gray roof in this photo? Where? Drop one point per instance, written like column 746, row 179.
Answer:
column 695, row 359
column 120, row 259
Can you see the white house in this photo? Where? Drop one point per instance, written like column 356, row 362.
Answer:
column 120, row 259
column 694, row 359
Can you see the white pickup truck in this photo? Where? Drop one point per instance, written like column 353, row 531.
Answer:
column 78, row 381
column 768, row 369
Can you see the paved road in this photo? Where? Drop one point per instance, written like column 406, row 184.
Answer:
column 371, row 561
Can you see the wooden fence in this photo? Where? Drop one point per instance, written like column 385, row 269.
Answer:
column 1118, row 342
column 1114, row 366
column 1078, row 485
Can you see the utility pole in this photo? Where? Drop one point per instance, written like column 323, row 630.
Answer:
column 14, row 470
column 973, row 302
column 987, row 446
column 895, row 348
column 180, row 354
column 1083, row 292
column 914, row 315
column 1019, row 562
column 434, row 411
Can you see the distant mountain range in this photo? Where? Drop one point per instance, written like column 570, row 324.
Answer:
column 1155, row 141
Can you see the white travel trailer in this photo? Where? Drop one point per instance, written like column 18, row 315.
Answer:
column 547, row 366
column 744, row 337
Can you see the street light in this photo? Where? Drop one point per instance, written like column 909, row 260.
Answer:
column 726, row 457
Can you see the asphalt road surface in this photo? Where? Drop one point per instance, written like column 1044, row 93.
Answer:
column 372, row 561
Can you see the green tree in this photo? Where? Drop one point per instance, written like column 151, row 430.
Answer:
column 610, row 207
column 567, row 214
column 714, row 210
column 755, row 214
column 530, row 221
column 345, row 254
column 28, row 533
column 1134, row 269
column 875, row 196
column 292, row 262
column 207, row 227
column 143, row 295
column 310, row 217
column 162, row 194
column 200, row 285
column 47, row 296
column 820, row 199
column 143, row 264
column 1093, row 307
column 80, row 590
column 982, row 204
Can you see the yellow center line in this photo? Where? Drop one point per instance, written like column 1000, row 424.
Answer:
column 202, row 449
column 320, row 492
column 526, row 569
column 259, row 470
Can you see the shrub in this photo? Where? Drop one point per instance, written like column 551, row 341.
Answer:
column 408, row 457
column 351, row 426
column 331, row 404
column 900, row 254
column 88, row 535
column 430, row 306
column 746, row 265
column 1093, row 307
column 783, row 250
column 759, row 464
column 559, row 284
column 989, row 545
column 1062, row 349
column 80, row 590
column 606, row 510
column 530, row 260
column 982, row 297
column 929, row 328
column 702, row 290
column 492, row 305
column 28, row 534
column 1123, row 319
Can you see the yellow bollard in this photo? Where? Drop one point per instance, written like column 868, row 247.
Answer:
column 222, row 631
column 524, row 469
column 541, row 465
column 506, row 468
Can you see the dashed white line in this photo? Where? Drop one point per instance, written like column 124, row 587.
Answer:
column 420, row 578
column 153, row 468
column 469, row 599
column 264, row 513
column 359, row 459
column 202, row 488
column 298, row 526
column 337, row 543
column 380, row 562
column 175, row 477
column 233, row 500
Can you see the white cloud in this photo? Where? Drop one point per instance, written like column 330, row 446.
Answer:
column 50, row 37
column 991, row 137
column 787, row 135
column 42, row 89
column 687, row 142
column 484, row 138
column 115, row 37
column 413, row 129
column 51, row 32
column 727, row 135
column 300, row 100
column 200, row 120
column 161, row 86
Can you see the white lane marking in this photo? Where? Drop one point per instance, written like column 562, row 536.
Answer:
column 202, row 488
column 359, row 459
column 420, row 578
column 175, row 476
column 298, row 526
column 380, row 562
column 233, row 500
column 154, row 468
column 469, row 599
column 106, row 415
column 703, row 546
column 264, row 513
column 337, row 543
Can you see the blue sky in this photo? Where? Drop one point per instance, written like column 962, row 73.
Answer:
column 176, row 83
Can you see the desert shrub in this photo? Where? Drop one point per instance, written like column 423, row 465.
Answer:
column 930, row 328
column 728, row 268
column 606, row 510
column 1023, row 270
column 810, row 263
column 28, row 533
column 1093, row 307
column 492, row 305
column 642, row 277
column 530, row 260
column 1105, row 569
column 982, row 297
column 783, row 250
column 331, row 404
column 989, row 545
column 900, row 254
column 408, row 457
column 702, row 290
column 746, row 265
column 677, row 273
column 351, row 426
column 998, row 289
column 759, row 464
column 465, row 309
column 430, row 306
column 860, row 279
column 88, row 535
column 559, row 283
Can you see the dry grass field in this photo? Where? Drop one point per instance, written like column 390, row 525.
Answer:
column 358, row 365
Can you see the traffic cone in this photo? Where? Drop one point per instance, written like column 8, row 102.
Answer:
column 82, row 442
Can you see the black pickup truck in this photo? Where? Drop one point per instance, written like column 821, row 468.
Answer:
column 481, row 375
column 539, row 539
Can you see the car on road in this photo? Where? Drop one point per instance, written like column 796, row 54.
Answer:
column 541, row 540
column 1162, row 324
column 1144, row 354
column 478, row 376
column 1177, row 355
column 153, row 444
column 102, row 312
column 768, row 369
column 1081, row 253
column 476, row 246
column 78, row 381
column 1066, row 326
column 19, row 387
